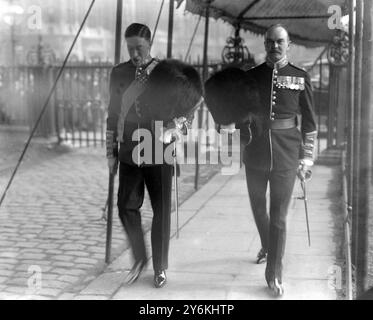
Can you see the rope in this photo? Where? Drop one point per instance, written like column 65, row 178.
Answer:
column 46, row 104
column 192, row 39
column 156, row 24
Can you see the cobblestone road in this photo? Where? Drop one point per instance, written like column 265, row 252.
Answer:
column 51, row 220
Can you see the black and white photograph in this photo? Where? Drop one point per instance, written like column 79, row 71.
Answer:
column 189, row 155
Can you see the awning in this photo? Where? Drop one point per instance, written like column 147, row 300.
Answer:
column 306, row 20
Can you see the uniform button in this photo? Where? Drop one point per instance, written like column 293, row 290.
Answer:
column 272, row 114
column 272, row 119
column 273, row 103
column 274, row 92
column 274, row 97
column 275, row 71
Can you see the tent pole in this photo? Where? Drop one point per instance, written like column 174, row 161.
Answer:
column 118, row 31
column 204, row 77
column 205, row 46
column 350, row 147
column 357, row 105
column 365, row 152
column 109, row 226
column 351, row 86
column 170, row 29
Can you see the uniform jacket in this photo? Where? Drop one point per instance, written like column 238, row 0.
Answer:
column 285, row 91
column 121, row 77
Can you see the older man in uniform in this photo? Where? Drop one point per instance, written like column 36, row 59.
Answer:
column 274, row 156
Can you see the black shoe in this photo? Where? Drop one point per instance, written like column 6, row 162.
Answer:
column 135, row 272
column 160, row 278
column 261, row 257
column 276, row 287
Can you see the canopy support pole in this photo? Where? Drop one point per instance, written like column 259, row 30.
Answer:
column 357, row 105
column 204, row 77
column 170, row 29
column 365, row 152
column 109, row 225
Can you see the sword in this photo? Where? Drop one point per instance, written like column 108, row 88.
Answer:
column 303, row 179
column 176, row 190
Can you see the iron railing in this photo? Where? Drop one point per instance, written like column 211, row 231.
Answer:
column 77, row 113
column 80, row 104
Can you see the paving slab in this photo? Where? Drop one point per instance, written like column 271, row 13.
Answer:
column 214, row 256
column 52, row 215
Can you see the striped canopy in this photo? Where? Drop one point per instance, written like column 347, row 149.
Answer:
column 306, row 20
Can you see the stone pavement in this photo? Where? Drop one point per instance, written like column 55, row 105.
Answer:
column 12, row 141
column 214, row 257
column 50, row 221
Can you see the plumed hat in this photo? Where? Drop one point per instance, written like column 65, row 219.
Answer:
column 173, row 90
column 231, row 95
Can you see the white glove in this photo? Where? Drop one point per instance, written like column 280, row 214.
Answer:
column 173, row 130
column 113, row 165
column 304, row 169
column 230, row 128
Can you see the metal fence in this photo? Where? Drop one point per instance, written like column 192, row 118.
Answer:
column 23, row 90
column 16, row 94
column 80, row 104
column 77, row 111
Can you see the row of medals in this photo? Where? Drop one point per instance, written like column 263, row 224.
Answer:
column 292, row 83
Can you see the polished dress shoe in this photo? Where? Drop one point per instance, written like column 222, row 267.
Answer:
column 276, row 287
column 160, row 278
column 262, row 256
column 135, row 272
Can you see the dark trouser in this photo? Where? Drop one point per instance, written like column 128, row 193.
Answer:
column 158, row 180
column 272, row 228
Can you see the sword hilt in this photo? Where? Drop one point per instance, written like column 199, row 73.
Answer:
column 304, row 175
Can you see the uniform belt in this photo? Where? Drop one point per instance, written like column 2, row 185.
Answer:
column 283, row 123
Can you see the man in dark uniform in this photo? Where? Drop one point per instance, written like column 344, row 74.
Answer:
column 122, row 122
column 134, row 105
column 274, row 156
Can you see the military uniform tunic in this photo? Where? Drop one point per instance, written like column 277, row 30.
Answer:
column 134, row 177
column 285, row 93
column 122, row 76
column 286, row 116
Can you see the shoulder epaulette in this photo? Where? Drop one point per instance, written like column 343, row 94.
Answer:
column 254, row 67
column 121, row 64
column 297, row 67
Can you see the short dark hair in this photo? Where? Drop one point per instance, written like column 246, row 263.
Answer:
column 138, row 30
